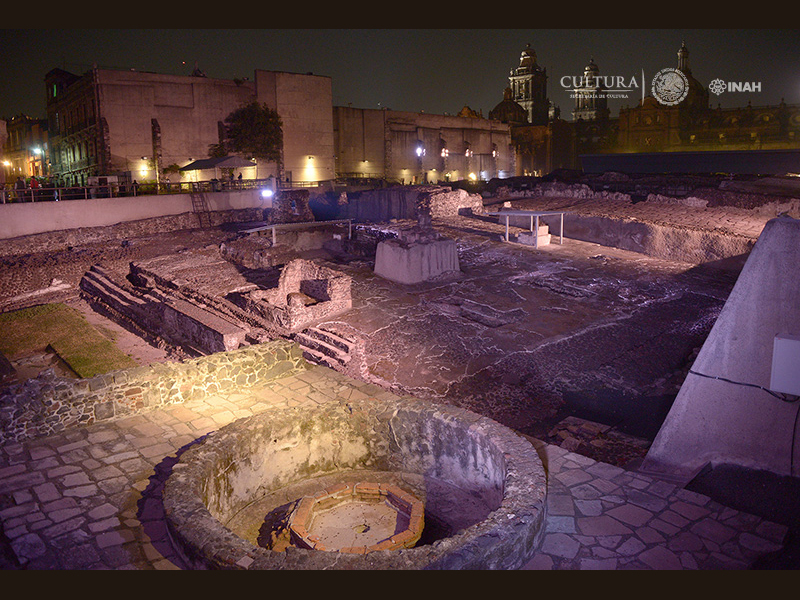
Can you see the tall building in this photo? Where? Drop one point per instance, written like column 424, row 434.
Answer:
column 135, row 124
column 528, row 83
column 590, row 95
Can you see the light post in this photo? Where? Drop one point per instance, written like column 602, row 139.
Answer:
column 420, row 154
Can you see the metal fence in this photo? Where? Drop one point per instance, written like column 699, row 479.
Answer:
column 10, row 194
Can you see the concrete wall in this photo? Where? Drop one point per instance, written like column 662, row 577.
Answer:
column 718, row 422
column 29, row 218
column 304, row 103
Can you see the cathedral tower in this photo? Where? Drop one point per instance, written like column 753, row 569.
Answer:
column 528, row 83
column 590, row 96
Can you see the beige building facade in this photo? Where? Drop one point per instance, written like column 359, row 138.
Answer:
column 146, row 126
column 135, row 124
column 413, row 148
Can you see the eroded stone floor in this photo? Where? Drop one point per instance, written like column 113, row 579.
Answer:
column 524, row 334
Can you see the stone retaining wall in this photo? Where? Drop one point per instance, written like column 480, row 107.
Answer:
column 49, row 403
column 405, row 202
column 58, row 241
column 29, row 218
column 661, row 241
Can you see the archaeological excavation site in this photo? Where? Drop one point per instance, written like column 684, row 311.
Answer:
column 541, row 373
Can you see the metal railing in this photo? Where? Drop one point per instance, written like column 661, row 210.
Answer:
column 10, row 194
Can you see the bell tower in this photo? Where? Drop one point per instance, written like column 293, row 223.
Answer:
column 528, row 83
column 590, row 97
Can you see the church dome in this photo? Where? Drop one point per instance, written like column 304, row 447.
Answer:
column 528, row 57
column 509, row 111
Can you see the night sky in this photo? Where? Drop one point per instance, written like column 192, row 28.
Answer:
column 432, row 70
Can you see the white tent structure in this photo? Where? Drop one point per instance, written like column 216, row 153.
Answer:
column 212, row 168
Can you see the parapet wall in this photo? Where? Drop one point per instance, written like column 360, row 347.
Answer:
column 49, row 404
column 29, row 218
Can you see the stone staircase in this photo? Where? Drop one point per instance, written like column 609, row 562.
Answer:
column 122, row 305
column 99, row 284
column 324, row 347
column 156, row 314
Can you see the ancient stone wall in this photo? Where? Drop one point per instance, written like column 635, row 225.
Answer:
column 449, row 203
column 49, row 404
column 406, row 202
column 291, row 206
column 306, row 293
column 57, row 241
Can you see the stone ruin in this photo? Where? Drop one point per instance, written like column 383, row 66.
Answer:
column 306, row 293
column 469, row 493
column 200, row 303
column 419, row 253
column 290, row 206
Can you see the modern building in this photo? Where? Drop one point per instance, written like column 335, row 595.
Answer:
column 134, row 124
column 408, row 147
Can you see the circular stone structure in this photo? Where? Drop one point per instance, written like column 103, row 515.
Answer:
column 481, row 486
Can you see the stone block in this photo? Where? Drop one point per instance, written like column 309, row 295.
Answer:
column 411, row 263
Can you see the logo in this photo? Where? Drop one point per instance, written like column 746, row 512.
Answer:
column 601, row 86
column 670, row 86
column 718, row 86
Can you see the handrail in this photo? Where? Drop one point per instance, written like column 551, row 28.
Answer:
column 10, row 194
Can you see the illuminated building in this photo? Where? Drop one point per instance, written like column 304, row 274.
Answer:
column 134, row 124
column 25, row 149
column 650, row 127
column 408, row 147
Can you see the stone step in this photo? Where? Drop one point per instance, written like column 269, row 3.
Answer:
column 97, row 283
column 318, row 346
column 330, row 338
column 529, row 239
column 318, row 358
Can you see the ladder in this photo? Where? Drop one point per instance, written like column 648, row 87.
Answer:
column 200, row 208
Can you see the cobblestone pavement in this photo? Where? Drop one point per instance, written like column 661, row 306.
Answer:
column 90, row 498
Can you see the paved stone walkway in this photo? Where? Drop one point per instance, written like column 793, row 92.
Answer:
column 90, row 498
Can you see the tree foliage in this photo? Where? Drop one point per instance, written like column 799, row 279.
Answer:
column 254, row 130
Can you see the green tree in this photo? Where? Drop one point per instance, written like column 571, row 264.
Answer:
column 254, row 130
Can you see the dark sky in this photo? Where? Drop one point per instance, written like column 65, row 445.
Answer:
column 432, row 70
